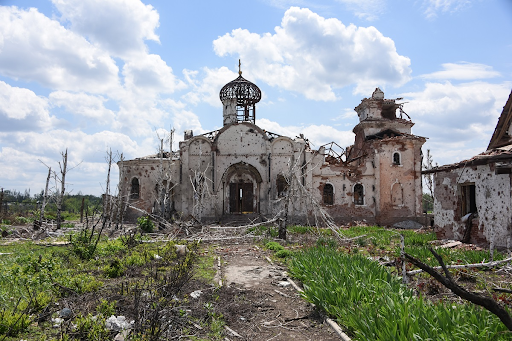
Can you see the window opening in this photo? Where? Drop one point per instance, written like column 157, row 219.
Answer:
column 135, row 190
column 396, row 158
column 282, row 185
column 359, row 194
column 468, row 199
column 328, row 194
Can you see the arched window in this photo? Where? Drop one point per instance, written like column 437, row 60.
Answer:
column 282, row 185
column 328, row 194
column 135, row 190
column 396, row 158
column 359, row 194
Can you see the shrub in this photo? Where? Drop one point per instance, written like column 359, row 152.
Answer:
column 106, row 308
column 83, row 245
column 284, row 253
column 12, row 323
column 274, row 246
column 114, row 270
column 145, row 224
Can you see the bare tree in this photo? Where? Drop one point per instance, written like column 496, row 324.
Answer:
column 45, row 199
column 60, row 198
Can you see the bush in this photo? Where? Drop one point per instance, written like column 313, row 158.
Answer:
column 12, row 323
column 145, row 224
column 83, row 245
column 114, row 270
column 274, row 246
column 284, row 253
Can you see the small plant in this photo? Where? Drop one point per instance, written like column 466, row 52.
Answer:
column 83, row 245
column 106, row 308
column 114, row 270
column 329, row 242
column 91, row 328
column 12, row 323
column 284, row 253
column 274, row 246
column 145, row 224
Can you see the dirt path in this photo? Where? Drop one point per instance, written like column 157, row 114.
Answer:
column 260, row 302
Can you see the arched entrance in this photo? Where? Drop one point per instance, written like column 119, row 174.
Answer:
column 241, row 183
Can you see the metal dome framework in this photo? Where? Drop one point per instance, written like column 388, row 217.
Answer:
column 246, row 94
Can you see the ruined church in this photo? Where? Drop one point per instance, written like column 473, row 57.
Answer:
column 242, row 170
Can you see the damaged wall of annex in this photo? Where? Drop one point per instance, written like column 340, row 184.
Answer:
column 243, row 169
column 473, row 198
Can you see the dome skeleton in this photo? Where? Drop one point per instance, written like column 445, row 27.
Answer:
column 246, row 94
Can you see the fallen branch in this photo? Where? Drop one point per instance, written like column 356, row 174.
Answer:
column 483, row 301
column 465, row 266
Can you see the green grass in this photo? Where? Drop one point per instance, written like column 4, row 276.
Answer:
column 371, row 304
column 33, row 276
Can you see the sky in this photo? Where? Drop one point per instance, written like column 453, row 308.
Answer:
column 99, row 75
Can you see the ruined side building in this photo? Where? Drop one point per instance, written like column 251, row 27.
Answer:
column 473, row 198
column 243, row 169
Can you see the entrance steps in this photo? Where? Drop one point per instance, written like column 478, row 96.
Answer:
column 240, row 219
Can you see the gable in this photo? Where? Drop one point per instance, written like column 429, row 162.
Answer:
column 502, row 133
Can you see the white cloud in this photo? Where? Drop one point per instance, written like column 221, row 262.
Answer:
column 433, row 7
column 21, row 109
column 365, row 9
column 207, row 89
column 462, row 113
column 36, row 48
column 81, row 104
column 317, row 134
column 118, row 26
column 463, row 71
column 313, row 55
column 150, row 74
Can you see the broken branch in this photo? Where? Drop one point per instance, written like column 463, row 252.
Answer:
column 483, row 301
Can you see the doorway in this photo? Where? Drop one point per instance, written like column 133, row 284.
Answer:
column 241, row 198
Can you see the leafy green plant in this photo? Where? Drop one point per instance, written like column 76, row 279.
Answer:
column 284, row 253
column 13, row 322
column 145, row 224
column 371, row 304
column 83, row 245
column 106, row 308
column 300, row 229
column 114, row 270
column 274, row 246
column 90, row 328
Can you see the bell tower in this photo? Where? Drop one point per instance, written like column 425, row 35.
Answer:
column 239, row 98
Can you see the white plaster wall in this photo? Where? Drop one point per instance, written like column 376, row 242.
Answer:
column 493, row 199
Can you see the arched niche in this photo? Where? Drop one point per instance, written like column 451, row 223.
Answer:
column 397, row 194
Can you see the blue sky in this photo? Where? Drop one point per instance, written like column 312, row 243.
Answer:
column 89, row 75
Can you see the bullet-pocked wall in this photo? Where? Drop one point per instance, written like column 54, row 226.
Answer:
column 242, row 169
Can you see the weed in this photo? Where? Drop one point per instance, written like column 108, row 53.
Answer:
column 300, row 229
column 114, row 270
column 328, row 242
column 274, row 246
column 284, row 253
column 145, row 224
column 13, row 322
column 106, row 308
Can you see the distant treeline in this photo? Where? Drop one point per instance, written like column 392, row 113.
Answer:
column 15, row 201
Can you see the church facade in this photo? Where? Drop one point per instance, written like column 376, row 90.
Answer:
column 243, row 169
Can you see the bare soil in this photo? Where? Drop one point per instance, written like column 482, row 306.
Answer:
column 260, row 304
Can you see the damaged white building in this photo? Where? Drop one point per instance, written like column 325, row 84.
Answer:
column 473, row 198
column 242, row 170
